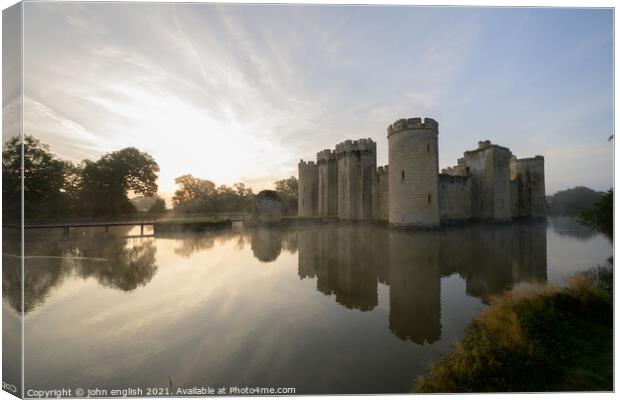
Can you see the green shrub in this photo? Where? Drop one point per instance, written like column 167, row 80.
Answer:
column 534, row 338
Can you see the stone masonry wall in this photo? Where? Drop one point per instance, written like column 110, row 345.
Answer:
column 487, row 183
column 308, row 182
column 413, row 160
column 454, row 198
column 489, row 166
column 383, row 201
column 328, row 183
column 530, row 178
column 357, row 162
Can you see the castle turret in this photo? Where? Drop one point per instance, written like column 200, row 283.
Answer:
column 413, row 173
column 328, row 183
column 308, row 181
column 357, row 164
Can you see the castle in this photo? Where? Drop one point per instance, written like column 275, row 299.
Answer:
column 488, row 183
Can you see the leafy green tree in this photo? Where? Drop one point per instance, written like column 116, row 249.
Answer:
column 601, row 216
column 202, row 195
column 47, row 180
column 105, row 184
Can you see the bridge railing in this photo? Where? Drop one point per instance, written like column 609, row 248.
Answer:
column 79, row 221
column 137, row 219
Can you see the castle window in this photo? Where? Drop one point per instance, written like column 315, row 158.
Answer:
column 467, row 170
column 533, row 183
column 429, row 198
column 428, row 147
column 402, row 175
column 481, row 204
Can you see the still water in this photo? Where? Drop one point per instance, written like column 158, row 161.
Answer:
column 323, row 309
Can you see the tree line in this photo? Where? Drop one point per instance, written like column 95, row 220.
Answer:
column 196, row 195
column 55, row 188
column 590, row 207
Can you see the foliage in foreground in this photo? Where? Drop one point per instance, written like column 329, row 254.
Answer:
column 533, row 338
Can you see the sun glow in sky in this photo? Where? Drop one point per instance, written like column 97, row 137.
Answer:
column 241, row 92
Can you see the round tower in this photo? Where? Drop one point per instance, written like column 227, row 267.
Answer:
column 413, row 177
column 307, row 190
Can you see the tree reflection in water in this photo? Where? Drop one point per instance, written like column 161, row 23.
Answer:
column 114, row 261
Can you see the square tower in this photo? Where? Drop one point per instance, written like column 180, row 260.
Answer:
column 357, row 169
column 489, row 166
column 528, row 174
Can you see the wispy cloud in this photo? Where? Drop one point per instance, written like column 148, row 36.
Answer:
column 241, row 92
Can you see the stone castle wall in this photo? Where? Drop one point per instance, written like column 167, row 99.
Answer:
column 487, row 183
column 357, row 163
column 455, row 198
column 383, row 193
column 489, row 166
column 530, row 182
column 414, row 165
column 308, row 188
column 328, row 183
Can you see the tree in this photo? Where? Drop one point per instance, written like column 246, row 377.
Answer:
column 107, row 182
column 287, row 190
column 194, row 194
column 573, row 201
column 601, row 216
column 201, row 195
column 158, row 206
column 47, row 180
column 287, row 187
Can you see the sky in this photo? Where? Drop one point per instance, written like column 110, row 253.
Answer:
column 236, row 93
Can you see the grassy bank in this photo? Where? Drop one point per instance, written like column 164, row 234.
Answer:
column 534, row 338
column 192, row 224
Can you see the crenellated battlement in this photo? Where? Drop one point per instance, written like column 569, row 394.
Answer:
column 487, row 183
column 325, row 156
column 306, row 165
column 460, row 169
column 413, row 123
column 356, row 147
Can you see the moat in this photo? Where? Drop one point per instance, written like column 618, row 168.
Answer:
column 324, row 309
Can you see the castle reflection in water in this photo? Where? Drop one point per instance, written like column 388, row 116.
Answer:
column 348, row 262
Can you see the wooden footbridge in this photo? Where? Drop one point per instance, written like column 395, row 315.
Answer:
column 67, row 224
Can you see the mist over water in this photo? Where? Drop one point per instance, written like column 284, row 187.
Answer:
column 324, row 309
